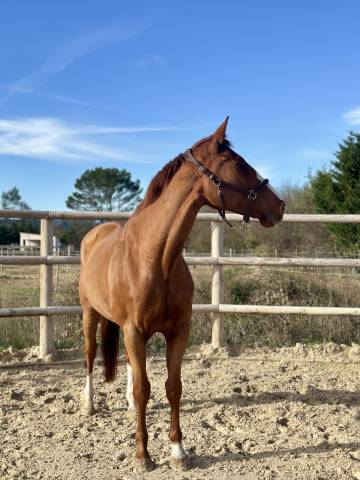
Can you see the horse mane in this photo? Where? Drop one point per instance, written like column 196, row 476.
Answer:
column 161, row 180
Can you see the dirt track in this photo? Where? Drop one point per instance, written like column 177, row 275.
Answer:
column 286, row 414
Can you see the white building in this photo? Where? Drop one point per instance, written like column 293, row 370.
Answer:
column 33, row 240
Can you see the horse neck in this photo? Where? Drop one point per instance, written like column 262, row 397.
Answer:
column 167, row 222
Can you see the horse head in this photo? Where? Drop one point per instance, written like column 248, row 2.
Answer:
column 234, row 184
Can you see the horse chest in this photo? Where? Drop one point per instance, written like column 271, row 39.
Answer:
column 161, row 304
column 161, row 299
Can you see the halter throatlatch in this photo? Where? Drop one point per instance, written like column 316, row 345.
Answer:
column 250, row 194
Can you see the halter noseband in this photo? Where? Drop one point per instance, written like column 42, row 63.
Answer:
column 250, row 194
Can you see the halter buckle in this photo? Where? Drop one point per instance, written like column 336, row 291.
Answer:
column 242, row 225
column 252, row 195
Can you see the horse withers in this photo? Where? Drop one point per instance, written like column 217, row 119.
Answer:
column 134, row 276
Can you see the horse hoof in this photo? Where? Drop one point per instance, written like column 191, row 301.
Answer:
column 180, row 464
column 144, row 465
column 88, row 409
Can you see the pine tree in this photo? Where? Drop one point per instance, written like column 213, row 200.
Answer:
column 105, row 189
column 12, row 200
column 337, row 190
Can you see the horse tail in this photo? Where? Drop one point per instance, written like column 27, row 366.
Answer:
column 110, row 348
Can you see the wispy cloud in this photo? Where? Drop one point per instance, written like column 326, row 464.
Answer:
column 68, row 54
column 352, row 117
column 75, row 101
column 61, row 98
column 146, row 62
column 55, row 140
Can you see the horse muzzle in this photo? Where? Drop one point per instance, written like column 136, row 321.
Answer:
column 269, row 219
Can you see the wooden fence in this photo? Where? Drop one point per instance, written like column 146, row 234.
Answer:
column 46, row 260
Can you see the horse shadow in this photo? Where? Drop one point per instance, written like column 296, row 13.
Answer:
column 314, row 396
column 203, row 461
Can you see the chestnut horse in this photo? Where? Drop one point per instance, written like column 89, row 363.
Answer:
column 134, row 275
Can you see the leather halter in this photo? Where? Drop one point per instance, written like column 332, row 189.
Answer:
column 250, row 194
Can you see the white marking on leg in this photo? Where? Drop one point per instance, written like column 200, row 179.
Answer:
column 89, row 389
column 130, row 387
column 178, row 451
column 89, row 394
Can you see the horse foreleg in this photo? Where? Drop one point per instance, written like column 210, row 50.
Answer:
column 90, row 322
column 135, row 347
column 175, row 349
column 130, row 385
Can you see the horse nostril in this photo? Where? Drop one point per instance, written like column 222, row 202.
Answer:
column 283, row 207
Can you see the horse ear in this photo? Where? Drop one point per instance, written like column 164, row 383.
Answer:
column 220, row 133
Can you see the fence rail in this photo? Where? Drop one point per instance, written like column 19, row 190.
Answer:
column 202, row 217
column 68, row 250
column 46, row 261
column 197, row 308
column 246, row 261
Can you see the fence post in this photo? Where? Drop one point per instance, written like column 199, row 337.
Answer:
column 46, row 293
column 217, row 290
column 56, row 277
column 68, row 266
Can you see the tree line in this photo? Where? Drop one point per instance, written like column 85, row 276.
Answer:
column 99, row 189
column 332, row 189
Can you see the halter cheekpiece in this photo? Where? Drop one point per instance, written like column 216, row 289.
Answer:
column 250, row 194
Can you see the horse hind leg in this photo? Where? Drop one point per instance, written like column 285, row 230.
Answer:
column 90, row 322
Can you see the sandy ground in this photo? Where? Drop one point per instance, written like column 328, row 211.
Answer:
column 287, row 414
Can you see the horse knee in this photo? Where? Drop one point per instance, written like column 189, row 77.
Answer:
column 173, row 390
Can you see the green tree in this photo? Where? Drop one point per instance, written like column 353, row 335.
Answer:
column 337, row 190
column 105, row 189
column 11, row 200
column 9, row 228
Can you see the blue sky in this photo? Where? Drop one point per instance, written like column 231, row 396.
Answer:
column 132, row 84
